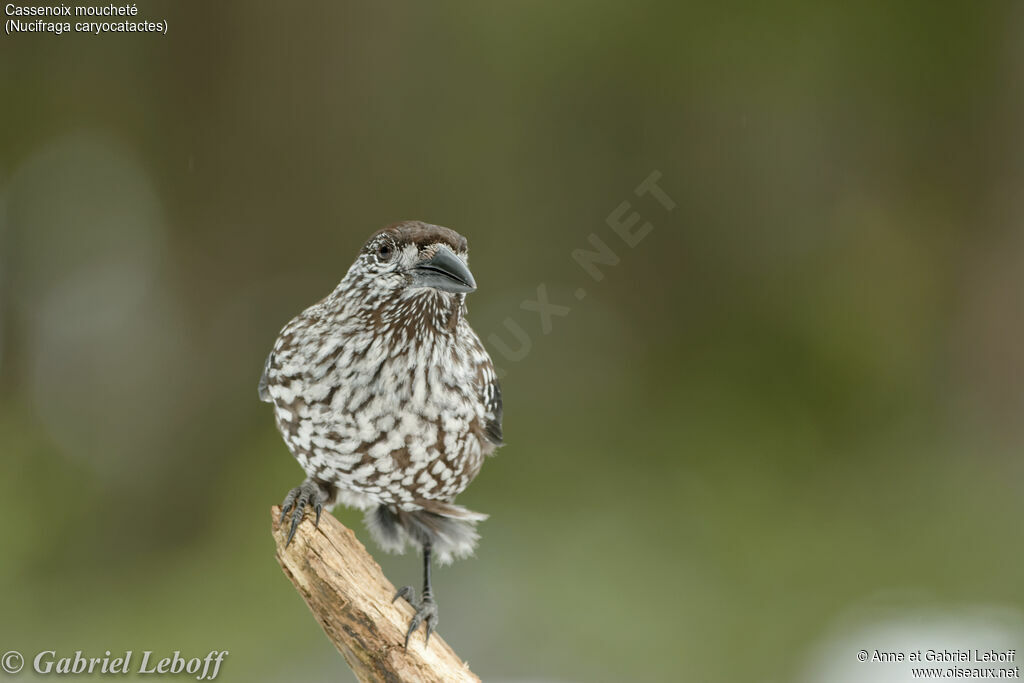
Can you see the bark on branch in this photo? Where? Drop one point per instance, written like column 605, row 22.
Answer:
column 350, row 597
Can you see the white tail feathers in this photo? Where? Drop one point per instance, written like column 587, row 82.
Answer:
column 449, row 529
column 454, row 511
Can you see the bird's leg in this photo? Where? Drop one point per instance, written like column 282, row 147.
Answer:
column 308, row 492
column 426, row 610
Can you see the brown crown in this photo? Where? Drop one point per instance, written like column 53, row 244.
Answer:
column 422, row 234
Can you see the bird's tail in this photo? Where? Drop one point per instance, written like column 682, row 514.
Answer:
column 449, row 529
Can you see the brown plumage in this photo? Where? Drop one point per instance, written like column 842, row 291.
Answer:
column 387, row 398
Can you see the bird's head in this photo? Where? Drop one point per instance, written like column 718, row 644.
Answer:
column 412, row 257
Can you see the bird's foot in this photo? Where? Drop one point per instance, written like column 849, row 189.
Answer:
column 426, row 613
column 309, row 492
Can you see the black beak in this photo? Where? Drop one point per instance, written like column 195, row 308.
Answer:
column 444, row 271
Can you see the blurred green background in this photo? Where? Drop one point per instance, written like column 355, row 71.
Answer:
column 784, row 427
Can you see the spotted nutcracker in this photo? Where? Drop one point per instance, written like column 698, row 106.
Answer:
column 388, row 400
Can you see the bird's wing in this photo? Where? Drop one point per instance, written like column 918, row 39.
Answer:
column 492, row 402
column 264, row 381
column 489, row 388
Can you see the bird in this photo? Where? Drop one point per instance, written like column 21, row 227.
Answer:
column 389, row 401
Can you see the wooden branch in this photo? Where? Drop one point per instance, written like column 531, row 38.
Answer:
column 350, row 597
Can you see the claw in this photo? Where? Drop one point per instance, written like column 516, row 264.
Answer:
column 426, row 613
column 431, row 625
column 300, row 510
column 291, row 533
column 287, row 505
column 297, row 500
column 289, row 501
column 406, row 592
column 412, row 627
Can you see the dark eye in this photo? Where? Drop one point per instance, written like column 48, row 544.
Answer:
column 385, row 252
